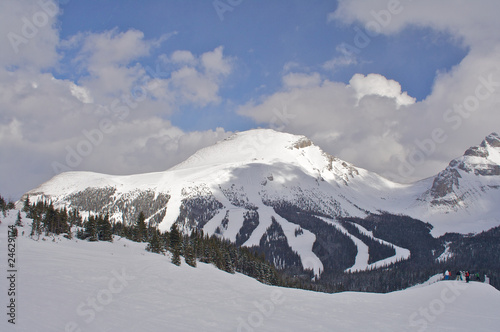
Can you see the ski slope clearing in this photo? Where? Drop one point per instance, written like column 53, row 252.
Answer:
column 70, row 285
column 361, row 262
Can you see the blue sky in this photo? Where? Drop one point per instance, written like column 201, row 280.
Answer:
column 264, row 36
column 229, row 66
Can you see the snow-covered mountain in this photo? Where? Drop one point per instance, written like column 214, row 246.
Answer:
column 236, row 188
column 464, row 197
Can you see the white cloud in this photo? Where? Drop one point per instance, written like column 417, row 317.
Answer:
column 301, row 80
column 114, row 47
column 475, row 26
column 183, row 57
column 198, row 79
column 378, row 85
column 44, row 118
column 475, row 22
column 81, row 93
column 214, row 62
column 345, row 59
column 29, row 33
column 194, row 87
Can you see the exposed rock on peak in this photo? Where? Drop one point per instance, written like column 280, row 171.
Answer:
column 493, row 140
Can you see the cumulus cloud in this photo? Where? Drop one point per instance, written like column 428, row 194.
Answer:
column 473, row 22
column 365, row 122
column 214, row 62
column 183, row 57
column 114, row 118
column 378, row 85
column 345, row 59
column 29, row 33
column 300, row 80
column 446, row 110
column 114, row 47
column 81, row 93
column 195, row 80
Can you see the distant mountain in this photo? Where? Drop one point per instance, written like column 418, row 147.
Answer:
column 464, row 197
column 281, row 193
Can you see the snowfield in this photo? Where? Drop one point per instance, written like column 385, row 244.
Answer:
column 70, row 285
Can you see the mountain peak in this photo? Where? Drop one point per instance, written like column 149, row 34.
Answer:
column 476, row 157
column 262, row 145
column 478, row 160
column 492, row 140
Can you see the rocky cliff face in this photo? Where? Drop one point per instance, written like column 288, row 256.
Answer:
column 469, row 176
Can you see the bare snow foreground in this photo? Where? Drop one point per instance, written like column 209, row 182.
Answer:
column 69, row 285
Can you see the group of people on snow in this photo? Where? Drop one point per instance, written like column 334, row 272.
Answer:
column 465, row 275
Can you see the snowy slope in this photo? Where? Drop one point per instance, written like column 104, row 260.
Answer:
column 69, row 285
column 251, row 172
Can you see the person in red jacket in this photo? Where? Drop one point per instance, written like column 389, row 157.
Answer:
column 467, row 275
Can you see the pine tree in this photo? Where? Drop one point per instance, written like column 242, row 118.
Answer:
column 3, row 205
column 61, row 222
column 91, row 229
column 175, row 244
column 19, row 221
column 27, row 206
column 228, row 265
column 104, row 230
column 189, row 253
column 74, row 218
column 36, row 228
column 155, row 245
column 140, row 228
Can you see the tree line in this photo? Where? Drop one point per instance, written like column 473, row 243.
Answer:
column 226, row 256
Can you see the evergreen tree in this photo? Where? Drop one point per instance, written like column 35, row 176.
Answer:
column 175, row 244
column 104, row 230
column 74, row 218
column 27, row 206
column 61, row 222
column 3, row 205
column 189, row 253
column 155, row 244
column 36, row 228
column 19, row 221
column 91, row 229
column 140, row 228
